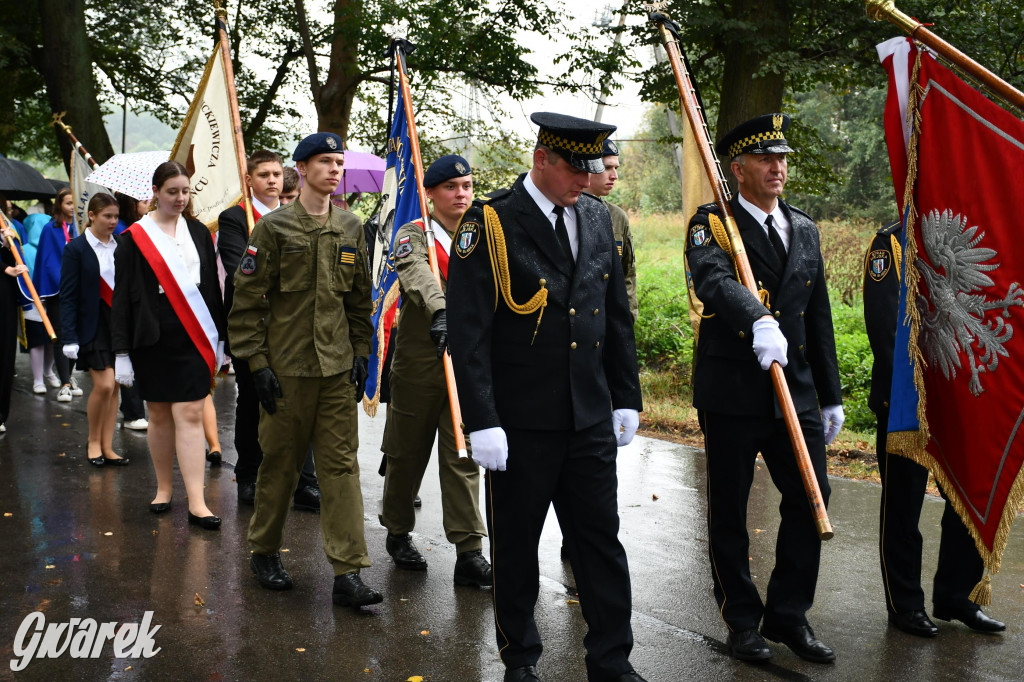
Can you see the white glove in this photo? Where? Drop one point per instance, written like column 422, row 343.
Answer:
column 123, row 372
column 70, row 351
column 832, row 419
column 627, row 420
column 490, row 448
column 769, row 344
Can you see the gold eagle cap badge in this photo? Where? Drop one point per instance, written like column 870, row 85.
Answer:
column 777, row 121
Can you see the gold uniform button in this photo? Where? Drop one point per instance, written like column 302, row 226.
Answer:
column 543, row 281
column 801, row 313
column 742, row 335
column 778, row 313
column 605, row 276
column 572, row 345
column 572, row 312
column 800, row 347
column 597, row 345
column 596, row 311
column 808, row 283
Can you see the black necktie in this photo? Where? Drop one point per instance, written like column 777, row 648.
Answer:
column 775, row 239
column 561, row 233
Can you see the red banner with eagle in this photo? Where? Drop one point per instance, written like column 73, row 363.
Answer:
column 960, row 409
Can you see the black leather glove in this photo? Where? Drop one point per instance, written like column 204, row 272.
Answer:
column 439, row 331
column 267, row 388
column 360, row 372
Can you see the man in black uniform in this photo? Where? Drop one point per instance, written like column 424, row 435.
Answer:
column 904, row 480
column 265, row 176
column 791, row 324
column 542, row 343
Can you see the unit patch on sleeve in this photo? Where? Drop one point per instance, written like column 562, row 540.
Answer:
column 248, row 262
column 467, row 238
column 700, row 234
column 879, row 262
column 403, row 250
column 346, row 255
column 618, row 245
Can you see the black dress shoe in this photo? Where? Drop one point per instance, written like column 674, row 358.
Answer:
column 802, row 642
column 472, row 570
column 748, row 645
column 160, row 507
column 269, row 571
column 914, row 623
column 417, row 502
column 307, row 498
column 208, row 522
column 526, row 673
column 970, row 615
column 247, row 493
column 97, row 461
column 404, row 552
column 349, row 590
column 214, row 458
column 116, row 461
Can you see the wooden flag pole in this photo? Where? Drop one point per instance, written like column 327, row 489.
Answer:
column 58, row 120
column 713, row 168
column 417, row 162
column 28, row 280
column 236, row 118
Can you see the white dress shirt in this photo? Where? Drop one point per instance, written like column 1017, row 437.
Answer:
column 185, row 248
column 262, row 208
column 547, row 207
column 782, row 225
column 104, row 254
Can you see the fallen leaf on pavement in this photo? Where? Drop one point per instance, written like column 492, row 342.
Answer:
column 300, row 649
column 654, row 497
column 424, row 632
column 108, row 533
column 199, row 600
column 8, row 514
column 49, row 566
column 285, row 549
column 572, row 601
column 415, row 678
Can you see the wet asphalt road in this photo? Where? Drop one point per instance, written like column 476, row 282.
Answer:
column 79, row 542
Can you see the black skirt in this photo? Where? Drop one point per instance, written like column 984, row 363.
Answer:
column 172, row 370
column 98, row 354
column 36, row 334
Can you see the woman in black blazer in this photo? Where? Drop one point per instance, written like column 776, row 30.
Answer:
column 86, row 275
column 168, row 330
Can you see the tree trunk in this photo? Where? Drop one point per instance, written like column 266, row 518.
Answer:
column 343, row 77
column 745, row 96
column 66, row 65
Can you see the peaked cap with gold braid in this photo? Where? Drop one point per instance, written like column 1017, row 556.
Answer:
column 761, row 135
column 577, row 140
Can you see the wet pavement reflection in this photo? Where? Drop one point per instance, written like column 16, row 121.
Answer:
column 79, row 542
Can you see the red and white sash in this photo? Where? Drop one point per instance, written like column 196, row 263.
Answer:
column 443, row 246
column 182, row 293
column 107, row 287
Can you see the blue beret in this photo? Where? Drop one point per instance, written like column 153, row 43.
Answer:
column 446, row 168
column 610, row 148
column 318, row 143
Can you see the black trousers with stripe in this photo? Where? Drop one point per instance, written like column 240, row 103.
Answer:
column 732, row 443
column 574, row 471
column 900, row 542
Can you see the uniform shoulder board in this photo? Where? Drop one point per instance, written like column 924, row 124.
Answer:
column 494, row 196
column 890, row 229
column 794, row 209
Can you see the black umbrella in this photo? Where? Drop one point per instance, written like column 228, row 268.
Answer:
column 19, row 180
column 58, row 185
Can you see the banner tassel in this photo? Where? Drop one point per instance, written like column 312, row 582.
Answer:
column 982, row 592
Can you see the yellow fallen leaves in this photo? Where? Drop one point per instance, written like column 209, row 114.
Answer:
column 61, row 454
column 415, row 678
column 8, row 515
column 424, row 632
column 108, row 533
column 654, row 497
column 49, row 566
column 300, row 649
column 284, row 549
column 199, row 600
column 367, row 671
column 572, row 601
column 128, row 668
column 65, row 425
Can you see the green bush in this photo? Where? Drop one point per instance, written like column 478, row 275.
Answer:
column 664, row 339
column 854, row 354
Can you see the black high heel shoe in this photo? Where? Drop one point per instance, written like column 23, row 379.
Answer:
column 160, row 507
column 208, row 522
column 214, row 458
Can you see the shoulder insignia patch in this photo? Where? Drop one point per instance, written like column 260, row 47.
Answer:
column 346, row 255
column 467, row 238
column 700, row 234
column 879, row 262
column 404, row 248
column 618, row 245
column 248, row 262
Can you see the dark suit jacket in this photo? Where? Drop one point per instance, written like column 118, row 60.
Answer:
column 881, row 310
column 79, row 292
column 727, row 377
column 134, row 322
column 582, row 362
column 231, row 244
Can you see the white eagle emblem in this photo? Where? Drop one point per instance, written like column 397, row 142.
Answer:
column 955, row 315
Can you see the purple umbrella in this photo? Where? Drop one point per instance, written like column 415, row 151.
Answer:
column 363, row 173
